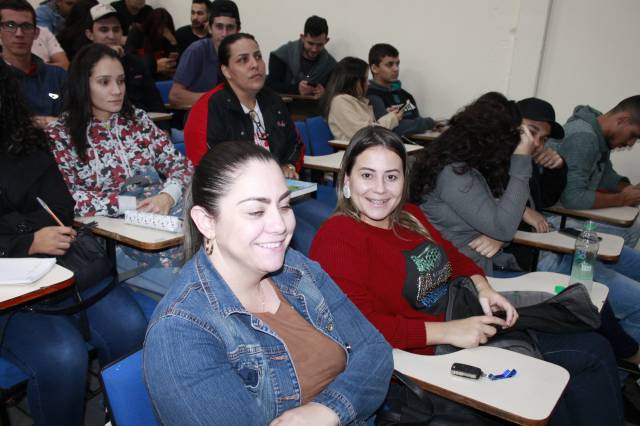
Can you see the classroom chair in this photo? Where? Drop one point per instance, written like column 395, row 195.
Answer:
column 127, row 399
column 319, row 136
column 304, row 136
column 164, row 87
column 13, row 381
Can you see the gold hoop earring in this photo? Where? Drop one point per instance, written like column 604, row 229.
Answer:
column 208, row 246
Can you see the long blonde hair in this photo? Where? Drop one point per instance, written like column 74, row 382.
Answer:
column 369, row 137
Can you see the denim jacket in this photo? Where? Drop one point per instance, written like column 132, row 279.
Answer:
column 207, row 360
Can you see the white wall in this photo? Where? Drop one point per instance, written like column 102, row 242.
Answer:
column 591, row 57
column 566, row 51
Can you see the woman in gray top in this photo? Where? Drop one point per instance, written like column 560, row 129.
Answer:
column 473, row 181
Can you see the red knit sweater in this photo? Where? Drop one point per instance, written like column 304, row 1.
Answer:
column 368, row 264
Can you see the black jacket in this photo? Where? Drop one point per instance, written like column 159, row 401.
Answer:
column 226, row 121
column 141, row 88
column 23, row 179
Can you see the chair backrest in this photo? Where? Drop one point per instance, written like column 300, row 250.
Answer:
column 319, row 136
column 10, row 375
column 127, row 397
column 164, row 86
column 304, row 135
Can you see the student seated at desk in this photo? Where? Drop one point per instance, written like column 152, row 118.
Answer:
column 155, row 42
column 396, row 267
column 473, row 184
column 345, row 105
column 253, row 332
column 104, row 147
column 245, row 110
column 303, row 66
column 592, row 182
column 385, row 91
column 50, row 349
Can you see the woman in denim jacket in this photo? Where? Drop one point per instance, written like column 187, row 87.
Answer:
column 253, row 333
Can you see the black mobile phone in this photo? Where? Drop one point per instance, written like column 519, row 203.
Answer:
column 572, row 232
column 464, row 370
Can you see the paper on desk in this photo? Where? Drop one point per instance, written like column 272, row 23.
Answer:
column 24, row 270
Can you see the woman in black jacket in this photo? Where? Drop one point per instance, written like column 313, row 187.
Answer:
column 50, row 348
column 247, row 110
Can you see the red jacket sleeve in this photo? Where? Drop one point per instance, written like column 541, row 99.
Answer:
column 195, row 129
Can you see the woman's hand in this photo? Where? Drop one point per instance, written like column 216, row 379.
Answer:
column 159, row 204
column 310, row 413
column 52, row 240
column 492, row 301
column 548, row 158
column 527, row 143
column 289, row 171
column 465, row 333
column 535, row 219
column 486, row 246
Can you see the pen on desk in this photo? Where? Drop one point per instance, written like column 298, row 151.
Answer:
column 48, row 210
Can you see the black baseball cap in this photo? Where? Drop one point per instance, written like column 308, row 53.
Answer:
column 539, row 110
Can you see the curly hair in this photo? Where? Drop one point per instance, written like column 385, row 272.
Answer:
column 481, row 136
column 18, row 135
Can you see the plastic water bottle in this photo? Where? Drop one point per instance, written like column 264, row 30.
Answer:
column 584, row 257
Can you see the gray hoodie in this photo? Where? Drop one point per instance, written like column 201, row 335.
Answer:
column 586, row 153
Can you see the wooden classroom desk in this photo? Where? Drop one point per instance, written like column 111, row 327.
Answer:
column 528, row 398
column 427, row 136
column 325, row 163
column 301, row 106
column 160, row 116
column 546, row 282
column 609, row 249
column 57, row 279
column 620, row 216
column 342, row 145
column 115, row 229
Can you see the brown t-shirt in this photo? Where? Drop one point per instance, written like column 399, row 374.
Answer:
column 316, row 358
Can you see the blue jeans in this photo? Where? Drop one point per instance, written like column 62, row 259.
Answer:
column 622, row 278
column 52, row 351
column 156, row 279
column 593, row 395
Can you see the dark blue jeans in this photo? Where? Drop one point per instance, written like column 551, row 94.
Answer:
column 52, row 351
column 593, row 395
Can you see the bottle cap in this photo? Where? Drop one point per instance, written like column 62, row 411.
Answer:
column 590, row 225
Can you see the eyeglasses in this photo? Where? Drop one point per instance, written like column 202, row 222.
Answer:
column 12, row 27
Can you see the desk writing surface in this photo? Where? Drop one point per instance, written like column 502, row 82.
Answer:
column 339, row 144
column 55, row 280
column 160, row 116
column 609, row 249
column 547, row 282
column 528, row 397
column 327, row 163
column 621, row 216
column 429, row 135
column 131, row 235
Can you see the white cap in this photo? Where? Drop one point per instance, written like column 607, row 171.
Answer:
column 100, row 11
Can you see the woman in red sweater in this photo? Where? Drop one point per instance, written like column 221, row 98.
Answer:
column 396, row 268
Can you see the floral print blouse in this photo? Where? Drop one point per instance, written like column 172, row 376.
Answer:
column 117, row 150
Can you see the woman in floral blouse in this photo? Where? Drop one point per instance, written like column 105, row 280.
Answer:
column 106, row 148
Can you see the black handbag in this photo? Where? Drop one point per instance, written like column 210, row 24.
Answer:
column 409, row 404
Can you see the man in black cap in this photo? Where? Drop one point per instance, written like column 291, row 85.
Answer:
column 197, row 71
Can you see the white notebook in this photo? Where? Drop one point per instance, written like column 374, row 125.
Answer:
column 24, row 270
